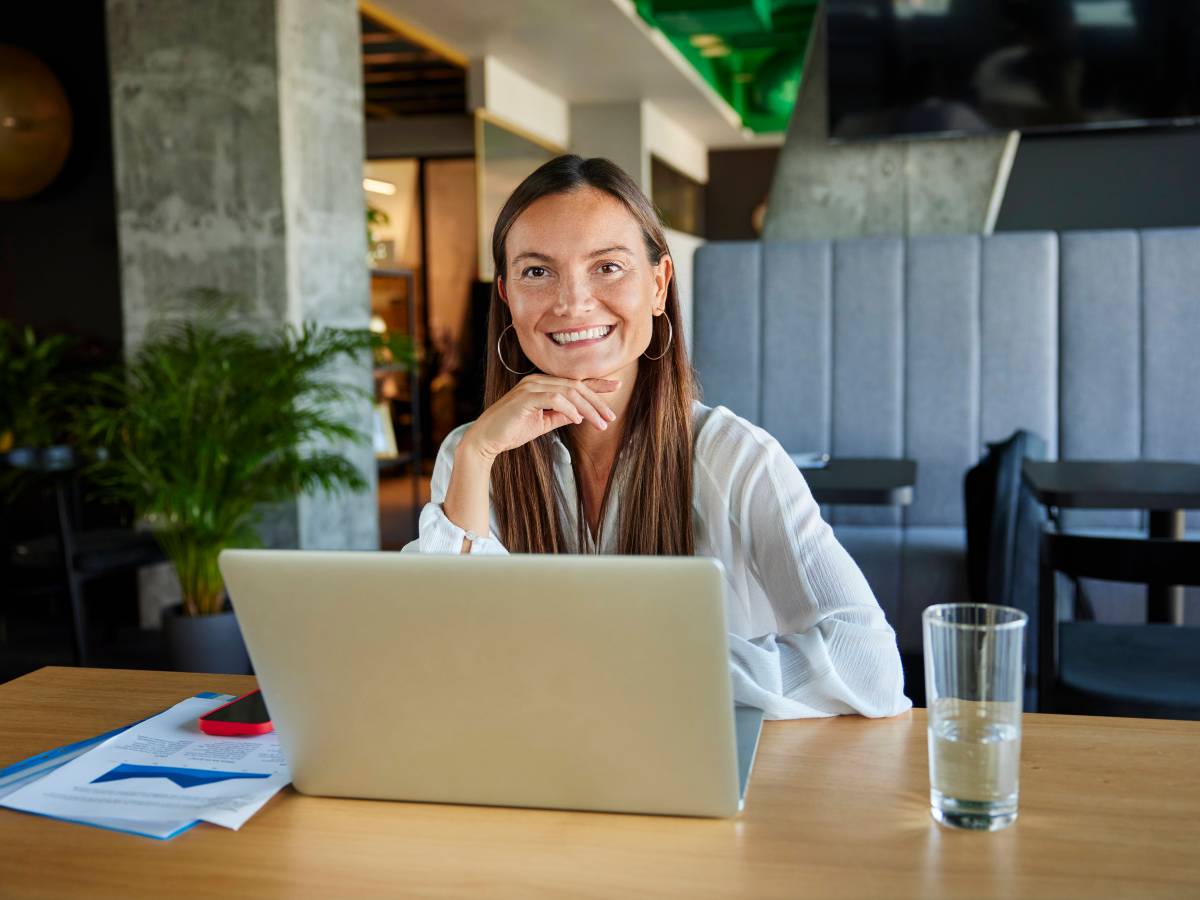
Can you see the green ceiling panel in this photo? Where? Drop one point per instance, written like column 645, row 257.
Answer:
column 750, row 51
column 721, row 16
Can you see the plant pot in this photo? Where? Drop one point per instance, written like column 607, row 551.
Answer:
column 205, row 643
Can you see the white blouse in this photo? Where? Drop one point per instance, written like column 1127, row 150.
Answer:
column 807, row 637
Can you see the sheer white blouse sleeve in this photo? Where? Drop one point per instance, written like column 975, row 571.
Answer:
column 812, row 640
column 437, row 533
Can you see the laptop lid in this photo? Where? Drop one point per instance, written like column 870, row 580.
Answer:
column 573, row 682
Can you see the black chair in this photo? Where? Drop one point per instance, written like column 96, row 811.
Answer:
column 77, row 553
column 1004, row 523
column 1151, row 670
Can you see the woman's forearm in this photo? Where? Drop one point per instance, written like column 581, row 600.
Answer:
column 467, row 503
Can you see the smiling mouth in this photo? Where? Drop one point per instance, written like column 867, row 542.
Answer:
column 583, row 336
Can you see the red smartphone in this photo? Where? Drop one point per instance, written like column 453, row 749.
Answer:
column 245, row 715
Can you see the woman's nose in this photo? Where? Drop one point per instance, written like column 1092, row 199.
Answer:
column 574, row 296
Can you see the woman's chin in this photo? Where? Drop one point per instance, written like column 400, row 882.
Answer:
column 576, row 371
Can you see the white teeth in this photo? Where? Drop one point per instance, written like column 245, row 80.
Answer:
column 590, row 334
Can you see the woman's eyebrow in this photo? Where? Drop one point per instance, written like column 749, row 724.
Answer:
column 533, row 254
column 615, row 249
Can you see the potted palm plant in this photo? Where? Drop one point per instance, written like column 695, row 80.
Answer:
column 201, row 432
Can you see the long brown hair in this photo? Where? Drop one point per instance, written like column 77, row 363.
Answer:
column 655, row 460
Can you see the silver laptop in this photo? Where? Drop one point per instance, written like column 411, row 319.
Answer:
column 566, row 682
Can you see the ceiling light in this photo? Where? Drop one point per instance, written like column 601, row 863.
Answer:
column 714, row 51
column 375, row 186
column 704, row 40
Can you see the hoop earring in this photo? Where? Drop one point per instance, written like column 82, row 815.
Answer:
column 670, row 337
column 500, row 353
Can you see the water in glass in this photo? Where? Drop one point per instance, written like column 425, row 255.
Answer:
column 974, row 760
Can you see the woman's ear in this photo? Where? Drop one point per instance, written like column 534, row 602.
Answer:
column 663, row 273
column 501, row 289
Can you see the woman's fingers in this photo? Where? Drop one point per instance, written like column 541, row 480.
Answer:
column 573, row 404
column 585, row 397
column 553, row 402
column 557, row 402
column 555, row 419
column 597, row 385
column 593, row 395
column 586, row 407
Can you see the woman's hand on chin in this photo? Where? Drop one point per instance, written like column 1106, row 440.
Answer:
column 538, row 404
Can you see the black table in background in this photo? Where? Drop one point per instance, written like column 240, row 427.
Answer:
column 863, row 481
column 1165, row 489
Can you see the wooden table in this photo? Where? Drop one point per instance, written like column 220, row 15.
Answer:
column 1165, row 489
column 836, row 808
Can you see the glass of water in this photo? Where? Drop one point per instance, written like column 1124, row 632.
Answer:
column 974, row 679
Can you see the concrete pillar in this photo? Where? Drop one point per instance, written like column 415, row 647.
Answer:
column 238, row 138
column 824, row 190
column 322, row 146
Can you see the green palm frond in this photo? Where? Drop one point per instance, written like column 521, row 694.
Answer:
column 209, row 424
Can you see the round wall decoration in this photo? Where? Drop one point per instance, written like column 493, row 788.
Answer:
column 35, row 124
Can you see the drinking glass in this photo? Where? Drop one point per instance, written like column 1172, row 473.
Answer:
column 974, row 679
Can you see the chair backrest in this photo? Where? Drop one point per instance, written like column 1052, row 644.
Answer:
column 1004, row 522
column 1157, row 561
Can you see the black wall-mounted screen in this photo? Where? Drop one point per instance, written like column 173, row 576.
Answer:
column 926, row 67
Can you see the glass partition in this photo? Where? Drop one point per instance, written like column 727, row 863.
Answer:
column 504, row 155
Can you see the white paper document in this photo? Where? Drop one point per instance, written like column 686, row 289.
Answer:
column 161, row 776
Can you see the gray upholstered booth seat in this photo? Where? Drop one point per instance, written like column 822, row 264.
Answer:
column 930, row 347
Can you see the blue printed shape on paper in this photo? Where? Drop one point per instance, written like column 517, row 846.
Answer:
column 185, row 778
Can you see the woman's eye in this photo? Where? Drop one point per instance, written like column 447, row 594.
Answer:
column 610, row 268
column 533, row 272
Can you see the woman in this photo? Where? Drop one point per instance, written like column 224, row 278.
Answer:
column 592, row 441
